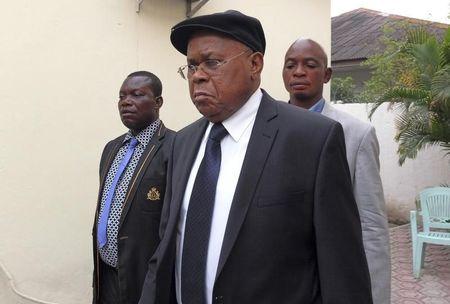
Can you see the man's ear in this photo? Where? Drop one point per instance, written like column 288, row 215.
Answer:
column 257, row 63
column 327, row 76
column 159, row 102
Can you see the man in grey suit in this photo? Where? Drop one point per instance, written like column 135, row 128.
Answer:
column 260, row 207
column 304, row 73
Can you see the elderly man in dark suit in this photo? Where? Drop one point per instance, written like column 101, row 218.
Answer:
column 132, row 186
column 259, row 206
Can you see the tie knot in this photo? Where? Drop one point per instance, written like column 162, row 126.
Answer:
column 218, row 132
column 133, row 143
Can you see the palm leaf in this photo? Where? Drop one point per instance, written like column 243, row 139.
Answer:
column 407, row 96
column 417, row 129
column 445, row 49
column 417, row 35
column 404, row 96
column 422, row 101
column 428, row 59
column 446, row 148
column 440, row 85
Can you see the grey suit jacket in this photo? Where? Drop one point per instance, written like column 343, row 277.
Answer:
column 362, row 155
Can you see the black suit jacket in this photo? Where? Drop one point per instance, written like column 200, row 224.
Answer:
column 293, row 233
column 139, row 223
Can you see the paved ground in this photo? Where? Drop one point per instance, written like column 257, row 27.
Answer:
column 433, row 287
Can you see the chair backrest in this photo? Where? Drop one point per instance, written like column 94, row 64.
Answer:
column 435, row 204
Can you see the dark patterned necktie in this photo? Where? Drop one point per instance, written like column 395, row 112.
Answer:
column 198, row 221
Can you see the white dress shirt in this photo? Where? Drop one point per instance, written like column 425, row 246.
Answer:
column 233, row 148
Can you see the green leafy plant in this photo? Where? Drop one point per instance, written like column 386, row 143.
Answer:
column 389, row 67
column 421, row 94
column 342, row 89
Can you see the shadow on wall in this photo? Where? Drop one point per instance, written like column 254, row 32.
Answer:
column 397, row 212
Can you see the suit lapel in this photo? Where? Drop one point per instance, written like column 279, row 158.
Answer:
column 146, row 157
column 328, row 111
column 189, row 146
column 263, row 135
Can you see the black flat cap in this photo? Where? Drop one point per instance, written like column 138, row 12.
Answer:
column 243, row 28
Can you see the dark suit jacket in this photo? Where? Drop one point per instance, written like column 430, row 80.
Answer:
column 293, row 233
column 138, row 229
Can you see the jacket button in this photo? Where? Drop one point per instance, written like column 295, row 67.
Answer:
column 218, row 299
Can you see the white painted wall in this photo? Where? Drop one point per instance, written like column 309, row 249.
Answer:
column 62, row 63
column 402, row 184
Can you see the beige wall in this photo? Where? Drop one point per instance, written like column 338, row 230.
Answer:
column 402, row 184
column 61, row 65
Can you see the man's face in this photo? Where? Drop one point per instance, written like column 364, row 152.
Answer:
column 138, row 106
column 305, row 71
column 218, row 95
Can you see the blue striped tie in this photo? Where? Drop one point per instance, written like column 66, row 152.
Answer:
column 103, row 222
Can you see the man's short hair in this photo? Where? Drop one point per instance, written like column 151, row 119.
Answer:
column 154, row 82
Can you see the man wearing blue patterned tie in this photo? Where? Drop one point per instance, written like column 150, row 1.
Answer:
column 132, row 187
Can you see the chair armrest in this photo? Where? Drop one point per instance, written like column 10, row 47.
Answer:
column 413, row 222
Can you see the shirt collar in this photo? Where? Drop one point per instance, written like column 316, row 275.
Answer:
column 144, row 136
column 318, row 106
column 237, row 123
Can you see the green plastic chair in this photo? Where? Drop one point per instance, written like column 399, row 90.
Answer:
column 435, row 211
